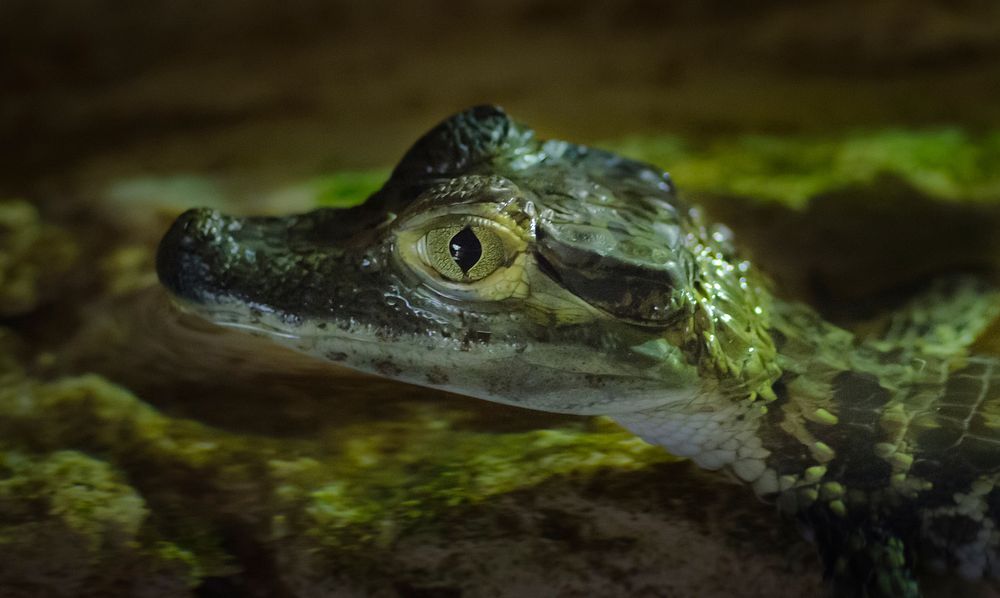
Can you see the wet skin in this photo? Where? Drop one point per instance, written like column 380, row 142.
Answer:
column 564, row 278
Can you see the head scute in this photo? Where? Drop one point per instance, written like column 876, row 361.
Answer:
column 635, row 290
column 457, row 144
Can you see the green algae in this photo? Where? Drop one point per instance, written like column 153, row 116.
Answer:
column 33, row 258
column 345, row 189
column 398, row 476
column 171, row 490
column 73, row 518
column 947, row 163
column 944, row 163
column 83, row 495
column 71, row 525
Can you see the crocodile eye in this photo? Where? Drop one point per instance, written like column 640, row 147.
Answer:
column 463, row 253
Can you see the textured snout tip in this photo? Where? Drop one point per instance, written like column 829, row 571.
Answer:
column 180, row 259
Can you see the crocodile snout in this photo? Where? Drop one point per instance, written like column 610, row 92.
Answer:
column 186, row 260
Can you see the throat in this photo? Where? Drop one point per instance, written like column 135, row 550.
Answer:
column 760, row 429
column 713, row 431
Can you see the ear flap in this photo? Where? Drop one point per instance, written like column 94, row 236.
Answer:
column 463, row 140
column 611, row 281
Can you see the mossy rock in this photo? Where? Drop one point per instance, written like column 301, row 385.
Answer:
column 70, row 525
column 132, row 491
column 34, row 256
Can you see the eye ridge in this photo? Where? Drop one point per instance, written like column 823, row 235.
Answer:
column 466, row 249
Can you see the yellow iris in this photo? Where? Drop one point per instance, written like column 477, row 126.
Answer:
column 464, row 252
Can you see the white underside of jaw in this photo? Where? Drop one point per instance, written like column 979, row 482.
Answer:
column 713, row 437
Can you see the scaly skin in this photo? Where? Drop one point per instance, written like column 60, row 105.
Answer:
column 563, row 278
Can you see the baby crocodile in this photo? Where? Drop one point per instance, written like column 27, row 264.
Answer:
column 559, row 277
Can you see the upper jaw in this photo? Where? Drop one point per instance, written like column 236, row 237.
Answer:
column 285, row 265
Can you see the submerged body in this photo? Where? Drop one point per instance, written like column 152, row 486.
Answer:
column 563, row 278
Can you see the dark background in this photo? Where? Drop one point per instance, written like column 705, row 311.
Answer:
column 97, row 89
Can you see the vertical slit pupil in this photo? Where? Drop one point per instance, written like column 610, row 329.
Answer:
column 465, row 249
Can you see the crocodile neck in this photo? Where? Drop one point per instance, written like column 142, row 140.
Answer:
column 815, row 418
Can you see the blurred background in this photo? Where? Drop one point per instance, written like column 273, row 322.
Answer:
column 98, row 89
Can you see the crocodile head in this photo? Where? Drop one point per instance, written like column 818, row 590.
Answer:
column 542, row 274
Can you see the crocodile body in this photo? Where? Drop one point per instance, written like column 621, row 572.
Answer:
column 563, row 278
